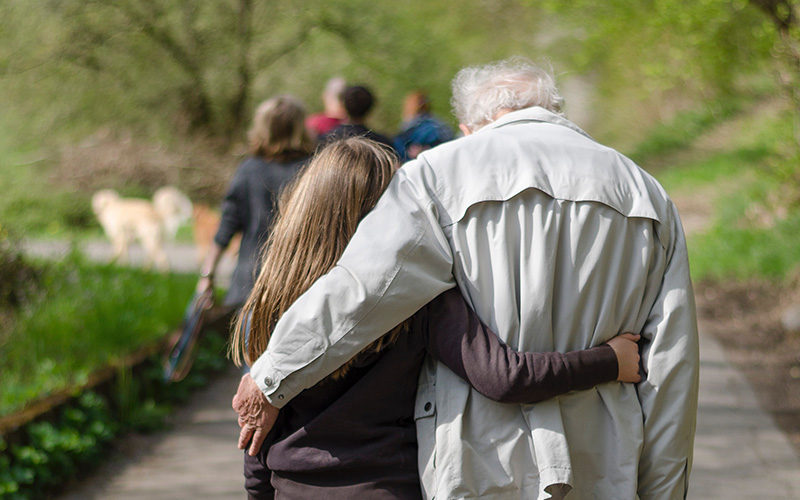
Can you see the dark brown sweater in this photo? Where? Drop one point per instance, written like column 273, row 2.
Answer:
column 355, row 437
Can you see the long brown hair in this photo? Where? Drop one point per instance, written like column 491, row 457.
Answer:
column 317, row 215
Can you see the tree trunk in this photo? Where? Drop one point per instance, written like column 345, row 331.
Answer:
column 244, row 32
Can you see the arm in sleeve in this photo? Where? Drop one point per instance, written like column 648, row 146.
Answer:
column 232, row 211
column 458, row 338
column 669, row 387
column 396, row 262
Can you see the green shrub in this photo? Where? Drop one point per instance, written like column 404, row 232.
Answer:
column 682, row 131
column 19, row 279
column 756, row 215
column 733, row 250
column 90, row 316
column 77, row 437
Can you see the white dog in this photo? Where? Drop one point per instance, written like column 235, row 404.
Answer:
column 152, row 223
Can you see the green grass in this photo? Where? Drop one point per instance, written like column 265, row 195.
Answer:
column 90, row 315
column 683, row 130
column 713, row 170
column 31, row 203
column 728, row 252
column 738, row 178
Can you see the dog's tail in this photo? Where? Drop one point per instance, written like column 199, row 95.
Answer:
column 173, row 207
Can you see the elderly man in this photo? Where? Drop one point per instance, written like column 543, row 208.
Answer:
column 543, row 230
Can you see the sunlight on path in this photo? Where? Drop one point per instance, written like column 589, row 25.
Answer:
column 739, row 451
column 195, row 459
column 182, row 258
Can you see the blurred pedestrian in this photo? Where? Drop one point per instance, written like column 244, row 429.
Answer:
column 421, row 130
column 358, row 103
column 279, row 145
column 333, row 113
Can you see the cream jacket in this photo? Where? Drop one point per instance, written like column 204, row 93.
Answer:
column 558, row 243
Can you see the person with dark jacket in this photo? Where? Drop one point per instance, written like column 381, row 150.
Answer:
column 421, row 130
column 279, row 146
column 358, row 102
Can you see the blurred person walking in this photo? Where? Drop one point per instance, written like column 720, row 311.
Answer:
column 358, row 103
column 279, row 145
column 333, row 113
column 421, row 130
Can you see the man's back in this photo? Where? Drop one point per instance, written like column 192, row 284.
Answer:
column 559, row 244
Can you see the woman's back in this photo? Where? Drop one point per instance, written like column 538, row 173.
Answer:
column 353, row 437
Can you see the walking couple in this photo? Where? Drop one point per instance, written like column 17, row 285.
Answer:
column 456, row 328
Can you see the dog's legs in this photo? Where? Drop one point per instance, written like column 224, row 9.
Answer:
column 161, row 261
column 152, row 238
column 120, row 243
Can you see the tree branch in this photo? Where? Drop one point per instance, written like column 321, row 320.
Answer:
column 286, row 48
column 780, row 12
column 164, row 39
column 244, row 32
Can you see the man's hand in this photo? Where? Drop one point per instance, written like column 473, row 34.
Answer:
column 256, row 415
column 627, row 356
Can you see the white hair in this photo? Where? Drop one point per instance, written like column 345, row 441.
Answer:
column 480, row 93
column 335, row 87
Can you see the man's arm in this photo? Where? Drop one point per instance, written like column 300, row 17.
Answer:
column 397, row 261
column 668, row 391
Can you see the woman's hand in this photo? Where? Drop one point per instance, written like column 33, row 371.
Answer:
column 627, row 352
column 204, row 283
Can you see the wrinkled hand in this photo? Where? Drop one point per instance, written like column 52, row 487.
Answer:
column 627, row 352
column 256, row 415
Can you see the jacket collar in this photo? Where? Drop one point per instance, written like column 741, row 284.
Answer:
column 533, row 114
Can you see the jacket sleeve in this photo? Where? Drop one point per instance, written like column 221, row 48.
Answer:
column 396, row 262
column 232, row 210
column 669, row 387
column 458, row 338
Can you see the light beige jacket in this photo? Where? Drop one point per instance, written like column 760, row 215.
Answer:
column 558, row 243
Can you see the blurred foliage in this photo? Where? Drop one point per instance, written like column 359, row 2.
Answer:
column 678, row 134
column 754, row 214
column 651, row 60
column 90, row 316
column 20, row 281
column 169, row 66
column 47, row 453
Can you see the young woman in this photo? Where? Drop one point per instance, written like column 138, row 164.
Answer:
column 353, row 434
